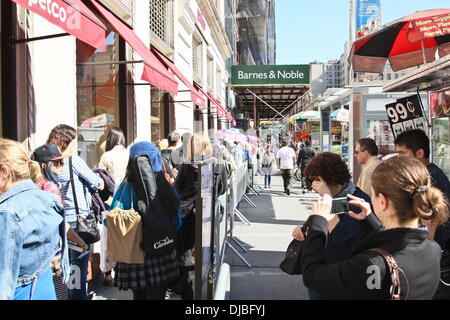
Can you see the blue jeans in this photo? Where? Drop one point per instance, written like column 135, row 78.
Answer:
column 267, row 179
column 42, row 289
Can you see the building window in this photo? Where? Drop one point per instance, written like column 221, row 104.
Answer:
column 97, row 97
column 389, row 76
column 197, row 61
column 218, row 84
column 161, row 21
column 210, row 74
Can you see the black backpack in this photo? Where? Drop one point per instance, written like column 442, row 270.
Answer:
column 157, row 208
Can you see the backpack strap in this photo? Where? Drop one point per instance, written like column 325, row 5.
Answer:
column 393, row 271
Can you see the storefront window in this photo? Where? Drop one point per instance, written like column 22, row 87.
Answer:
column 380, row 131
column 441, row 144
column 97, row 97
column 163, row 114
column 157, row 126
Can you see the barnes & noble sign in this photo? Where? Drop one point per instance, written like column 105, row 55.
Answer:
column 270, row 75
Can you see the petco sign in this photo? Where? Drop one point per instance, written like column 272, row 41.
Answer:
column 68, row 17
column 268, row 75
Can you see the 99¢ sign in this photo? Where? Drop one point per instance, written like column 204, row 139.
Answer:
column 405, row 114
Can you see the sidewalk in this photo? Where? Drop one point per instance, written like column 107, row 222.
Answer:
column 267, row 238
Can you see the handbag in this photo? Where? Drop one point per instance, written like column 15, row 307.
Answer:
column 394, row 271
column 86, row 226
column 292, row 262
column 125, row 234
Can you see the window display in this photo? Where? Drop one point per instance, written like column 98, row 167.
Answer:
column 441, row 144
column 97, row 97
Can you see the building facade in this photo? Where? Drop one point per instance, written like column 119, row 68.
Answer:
column 59, row 79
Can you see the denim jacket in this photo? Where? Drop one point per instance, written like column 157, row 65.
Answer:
column 30, row 220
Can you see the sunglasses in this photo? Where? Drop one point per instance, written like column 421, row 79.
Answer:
column 58, row 163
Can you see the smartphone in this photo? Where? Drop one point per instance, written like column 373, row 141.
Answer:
column 340, row 206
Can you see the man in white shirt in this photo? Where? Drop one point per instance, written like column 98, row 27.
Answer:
column 286, row 156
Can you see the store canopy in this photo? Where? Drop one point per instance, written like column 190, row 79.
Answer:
column 72, row 16
column 220, row 110
column 154, row 71
column 195, row 95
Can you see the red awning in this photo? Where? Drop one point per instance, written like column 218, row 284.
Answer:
column 195, row 95
column 220, row 110
column 154, row 72
column 72, row 16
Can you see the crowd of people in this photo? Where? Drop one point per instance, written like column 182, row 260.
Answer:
column 51, row 204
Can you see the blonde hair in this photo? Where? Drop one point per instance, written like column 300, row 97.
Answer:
column 199, row 145
column 14, row 156
column 406, row 182
column 163, row 144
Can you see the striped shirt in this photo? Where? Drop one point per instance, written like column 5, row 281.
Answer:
column 85, row 179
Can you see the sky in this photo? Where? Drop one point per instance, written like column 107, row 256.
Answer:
column 316, row 30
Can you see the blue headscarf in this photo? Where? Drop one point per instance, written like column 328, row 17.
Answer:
column 148, row 149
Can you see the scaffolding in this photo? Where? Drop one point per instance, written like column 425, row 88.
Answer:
column 256, row 43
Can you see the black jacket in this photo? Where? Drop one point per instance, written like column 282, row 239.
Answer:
column 414, row 253
column 304, row 156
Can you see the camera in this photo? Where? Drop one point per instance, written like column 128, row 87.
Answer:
column 340, row 206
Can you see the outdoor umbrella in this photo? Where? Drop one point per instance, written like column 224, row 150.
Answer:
column 310, row 115
column 252, row 139
column 406, row 42
column 341, row 115
column 231, row 134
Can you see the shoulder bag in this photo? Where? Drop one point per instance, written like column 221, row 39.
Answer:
column 86, row 226
column 292, row 262
column 125, row 233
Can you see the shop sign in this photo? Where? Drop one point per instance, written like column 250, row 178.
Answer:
column 428, row 28
column 270, row 75
column 201, row 19
column 405, row 114
column 440, row 104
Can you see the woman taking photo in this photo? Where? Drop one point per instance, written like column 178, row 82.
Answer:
column 401, row 195
column 267, row 164
column 31, row 221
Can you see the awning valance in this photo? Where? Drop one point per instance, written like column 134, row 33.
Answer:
column 220, row 110
column 154, row 71
column 72, row 16
column 195, row 95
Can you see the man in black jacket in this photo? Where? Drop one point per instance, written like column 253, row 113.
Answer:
column 305, row 155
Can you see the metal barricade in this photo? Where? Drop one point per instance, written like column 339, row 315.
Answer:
column 238, row 184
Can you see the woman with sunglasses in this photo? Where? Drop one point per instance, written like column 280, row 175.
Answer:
column 51, row 162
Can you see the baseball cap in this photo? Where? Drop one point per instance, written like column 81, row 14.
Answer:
column 46, row 153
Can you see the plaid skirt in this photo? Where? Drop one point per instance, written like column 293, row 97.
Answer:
column 155, row 271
